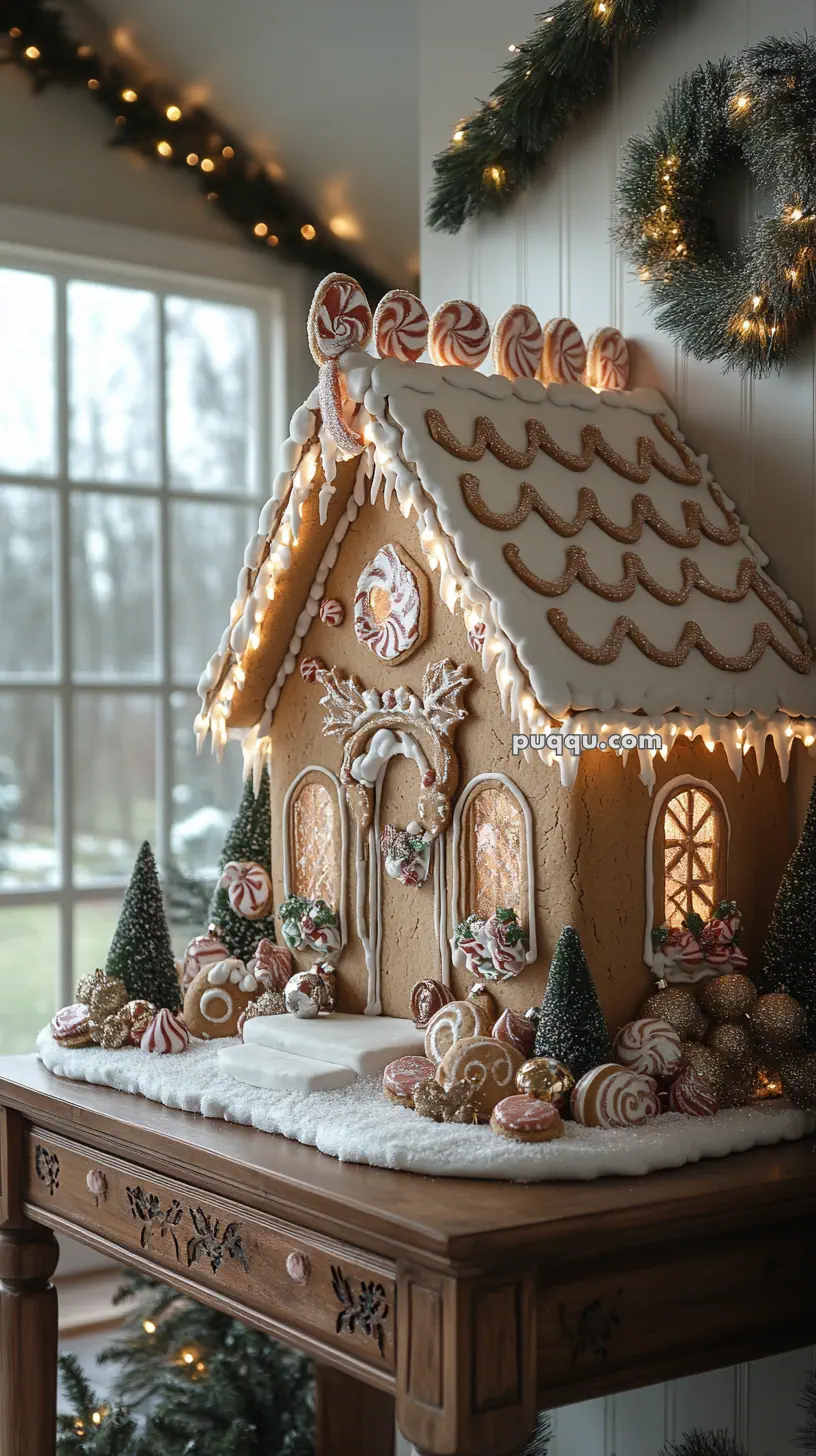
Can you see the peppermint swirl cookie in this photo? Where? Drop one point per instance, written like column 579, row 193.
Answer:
column 517, row 342
column 610, row 1096
column 692, row 1094
column 607, row 365
column 563, row 358
column 403, row 1075
column 650, row 1047
column 400, row 326
column 488, row 1066
column 339, row 318
column 525, row 1120
column 453, row 1023
column 459, row 334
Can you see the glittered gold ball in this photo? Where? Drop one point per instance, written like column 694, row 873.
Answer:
column 547, row 1080
column 798, row 1075
column 779, row 1021
column 112, row 1033
column 680, row 1008
column 728, row 997
column 733, row 1040
column 768, row 1083
column 709, row 1064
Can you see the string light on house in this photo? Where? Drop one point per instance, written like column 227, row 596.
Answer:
column 192, row 159
column 130, row 95
column 173, row 113
column 32, row 53
column 164, row 149
column 207, row 164
column 228, row 153
column 260, row 229
column 308, row 232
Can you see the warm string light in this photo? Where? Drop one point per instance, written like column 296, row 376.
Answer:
column 173, row 113
column 308, row 232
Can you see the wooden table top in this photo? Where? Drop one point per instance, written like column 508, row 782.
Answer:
column 453, row 1222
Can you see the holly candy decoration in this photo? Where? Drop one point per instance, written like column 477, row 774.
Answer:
column 496, row 948
column 309, row 925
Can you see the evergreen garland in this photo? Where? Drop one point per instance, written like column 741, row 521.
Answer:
column 208, row 1385
column 749, row 310
column 552, row 78
column 141, row 954
column 249, row 838
column 789, row 953
column 705, row 1443
column 266, row 212
column 571, row 1024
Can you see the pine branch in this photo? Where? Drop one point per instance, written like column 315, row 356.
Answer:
column 705, row 1443
column 807, row 1436
column 539, row 1442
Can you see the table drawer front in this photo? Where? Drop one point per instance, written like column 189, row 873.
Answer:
column 326, row 1289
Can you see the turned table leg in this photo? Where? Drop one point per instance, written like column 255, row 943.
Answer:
column 350, row 1416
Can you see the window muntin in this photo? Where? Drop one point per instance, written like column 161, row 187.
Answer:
column 692, row 846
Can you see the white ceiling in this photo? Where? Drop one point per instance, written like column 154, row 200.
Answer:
column 327, row 89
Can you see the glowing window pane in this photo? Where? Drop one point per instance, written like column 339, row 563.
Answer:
column 316, row 871
column 496, row 852
column 692, row 855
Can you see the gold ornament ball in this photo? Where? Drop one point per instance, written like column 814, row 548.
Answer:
column 547, row 1080
column 728, row 997
column 709, row 1064
column 733, row 1040
column 680, row 1008
column 798, row 1075
column 779, row 1021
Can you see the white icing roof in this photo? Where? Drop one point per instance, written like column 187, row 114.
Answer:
column 399, row 395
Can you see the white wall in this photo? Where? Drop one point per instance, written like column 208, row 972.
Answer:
column 553, row 251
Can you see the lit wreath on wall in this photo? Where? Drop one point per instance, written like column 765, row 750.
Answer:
column 748, row 310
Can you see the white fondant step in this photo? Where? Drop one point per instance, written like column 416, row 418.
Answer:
column 366, row 1044
column 281, row 1072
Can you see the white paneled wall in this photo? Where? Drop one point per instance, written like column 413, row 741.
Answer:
column 554, row 251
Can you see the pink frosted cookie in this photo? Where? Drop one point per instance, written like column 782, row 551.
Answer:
column 526, row 1120
column 248, row 887
column 400, row 326
column 564, row 355
column 452, row 1023
column 649, row 1046
column 459, row 334
column 517, row 343
column 332, row 612
column 607, row 365
column 517, row 1031
column 401, row 1077
column 610, row 1096
column 692, row 1094
column 71, row 1026
column 339, row 318
column 165, row 1034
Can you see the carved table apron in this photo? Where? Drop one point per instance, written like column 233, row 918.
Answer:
column 470, row 1304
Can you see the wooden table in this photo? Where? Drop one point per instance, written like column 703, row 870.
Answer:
column 470, row 1304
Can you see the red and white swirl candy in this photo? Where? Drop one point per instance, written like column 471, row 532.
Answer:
column 249, row 888
column 649, row 1046
column 165, row 1034
column 387, row 606
column 516, row 1030
column 400, row 326
column 310, row 667
column 607, row 365
column 517, row 342
column 271, row 965
column 203, row 950
column 339, row 318
column 610, row 1096
column 332, row 612
column 459, row 334
column 692, row 1094
column 563, row 359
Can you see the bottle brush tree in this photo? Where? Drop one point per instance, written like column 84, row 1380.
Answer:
column 571, row 1025
column 141, row 954
column 789, row 954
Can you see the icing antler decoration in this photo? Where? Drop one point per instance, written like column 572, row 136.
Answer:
column 339, row 319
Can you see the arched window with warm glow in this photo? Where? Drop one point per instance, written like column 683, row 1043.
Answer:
column 493, row 852
column 314, row 836
column 690, row 853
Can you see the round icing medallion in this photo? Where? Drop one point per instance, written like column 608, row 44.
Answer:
column 400, row 326
column 387, row 606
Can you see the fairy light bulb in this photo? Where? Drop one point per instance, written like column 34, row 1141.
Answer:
column 458, row 135
column 188, row 1357
column 32, row 53
column 308, row 233
column 173, row 113
column 97, row 1418
column 742, row 102
column 757, row 300
column 796, row 214
column 260, row 229
column 148, row 1327
column 164, row 149
column 207, row 164
column 228, row 152
column 129, row 95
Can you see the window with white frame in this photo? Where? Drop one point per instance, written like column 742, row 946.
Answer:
column 134, row 448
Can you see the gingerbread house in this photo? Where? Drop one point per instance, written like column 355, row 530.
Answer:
column 507, row 649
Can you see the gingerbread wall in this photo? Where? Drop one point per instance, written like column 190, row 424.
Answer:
column 590, row 841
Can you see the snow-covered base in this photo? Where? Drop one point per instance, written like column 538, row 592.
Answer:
column 359, row 1125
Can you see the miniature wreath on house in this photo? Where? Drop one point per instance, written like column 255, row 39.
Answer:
column 309, row 925
column 494, row 949
column 750, row 309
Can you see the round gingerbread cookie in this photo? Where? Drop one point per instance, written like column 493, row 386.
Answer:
column 452, row 1023
column 516, row 343
column 610, row 1096
column 401, row 1077
column 459, row 334
column 214, row 1000
column 649, row 1046
column 339, row 318
column 526, row 1120
column 400, row 326
column 607, row 365
column 489, row 1066
column 563, row 357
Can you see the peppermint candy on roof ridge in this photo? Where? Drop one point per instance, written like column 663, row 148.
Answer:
column 339, row 318
column 564, row 356
column 400, row 326
column 516, row 343
column 459, row 334
column 607, row 365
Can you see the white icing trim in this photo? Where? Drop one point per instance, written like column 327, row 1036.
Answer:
column 652, row 958
column 456, row 834
column 441, row 906
column 341, row 806
column 219, row 993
